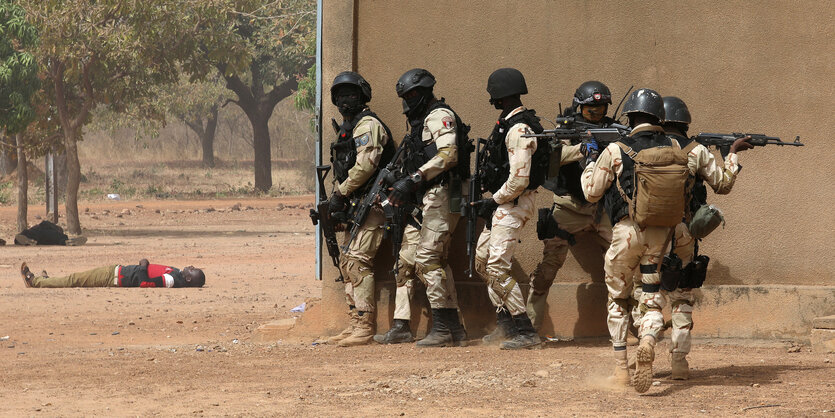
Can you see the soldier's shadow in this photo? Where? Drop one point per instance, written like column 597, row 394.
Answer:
column 761, row 374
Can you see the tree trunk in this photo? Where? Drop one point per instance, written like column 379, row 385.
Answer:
column 22, row 185
column 60, row 160
column 8, row 159
column 208, row 138
column 73, row 181
column 261, row 147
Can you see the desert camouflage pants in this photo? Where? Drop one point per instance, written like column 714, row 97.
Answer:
column 406, row 274
column 681, row 300
column 495, row 248
column 426, row 249
column 631, row 248
column 357, row 264
column 574, row 217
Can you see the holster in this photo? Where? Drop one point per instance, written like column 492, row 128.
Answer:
column 547, row 227
column 672, row 274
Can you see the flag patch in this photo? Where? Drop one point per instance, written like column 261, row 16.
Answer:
column 448, row 122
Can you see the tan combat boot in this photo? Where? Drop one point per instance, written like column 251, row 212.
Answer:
column 363, row 332
column 681, row 370
column 620, row 376
column 644, row 357
column 347, row 331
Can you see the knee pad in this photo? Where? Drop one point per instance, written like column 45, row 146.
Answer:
column 355, row 270
column 502, row 291
column 421, row 270
column 405, row 273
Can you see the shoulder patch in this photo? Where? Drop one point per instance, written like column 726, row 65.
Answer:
column 448, row 121
column 362, row 140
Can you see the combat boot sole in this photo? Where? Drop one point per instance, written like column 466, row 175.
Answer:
column 341, row 336
column 644, row 356
column 394, row 338
column 354, row 341
column 436, row 341
column 27, row 275
column 522, row 343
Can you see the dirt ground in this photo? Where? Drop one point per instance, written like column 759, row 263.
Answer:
column 172, row 352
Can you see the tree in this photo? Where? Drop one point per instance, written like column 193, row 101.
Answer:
column 197, row 105
column 18, row 83
column 276, row 35
column 104, row 52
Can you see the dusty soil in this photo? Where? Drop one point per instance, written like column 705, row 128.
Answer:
column 116, row 352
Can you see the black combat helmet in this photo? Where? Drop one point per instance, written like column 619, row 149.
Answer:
column 592, row 93
column 506, row 82
column 354, row 79
column 644, row 101
column 422, row 82
column 675, row 110
column 414, row 78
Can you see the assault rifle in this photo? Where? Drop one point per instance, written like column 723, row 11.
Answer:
column 603, row 136
column 377, row 193
column 321, row 216
column 470, row 210
column 723, row 141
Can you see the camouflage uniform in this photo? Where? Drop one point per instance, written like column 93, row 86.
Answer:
column 574, row 217
column 495, row 247
column 426, row 249
column 702, row 163
column 356, row 264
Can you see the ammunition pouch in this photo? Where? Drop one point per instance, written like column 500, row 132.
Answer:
column 691, row 276
column 671, row 272
column 696, row 272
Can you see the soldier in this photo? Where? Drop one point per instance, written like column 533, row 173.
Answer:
column 573, row 213
column 644, row 224
column 363, row 145
column 508, row 157
column 701, row 161
column 430, row 164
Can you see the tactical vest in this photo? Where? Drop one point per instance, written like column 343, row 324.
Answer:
column 417, row 153
column 344, row 150
column 614, row 204
column 698, row 195
column 568, row 182
column 495, row 161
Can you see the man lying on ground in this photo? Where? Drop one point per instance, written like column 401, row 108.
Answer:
column 143, row 274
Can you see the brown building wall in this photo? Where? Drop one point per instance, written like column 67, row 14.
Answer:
column 764, row 67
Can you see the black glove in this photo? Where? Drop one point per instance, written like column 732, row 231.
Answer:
column 402, row 190
column 337, row 203
column 486, row 207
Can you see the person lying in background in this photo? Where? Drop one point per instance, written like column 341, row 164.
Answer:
column 143, row 274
